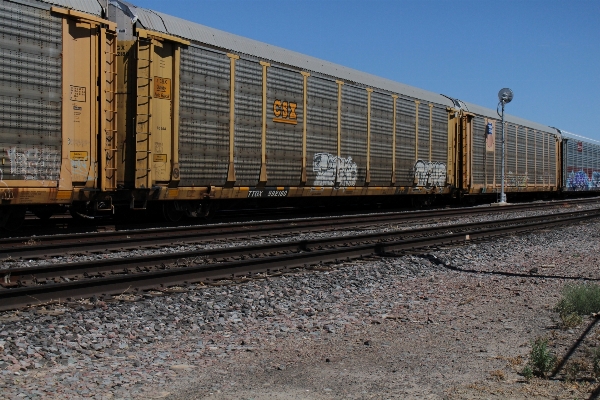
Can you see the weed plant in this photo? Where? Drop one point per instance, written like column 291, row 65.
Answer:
column 578, row 300
column 596, row 362
column 541, row 360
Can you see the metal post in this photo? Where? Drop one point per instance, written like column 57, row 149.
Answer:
column 505, row 96
column 502, row 194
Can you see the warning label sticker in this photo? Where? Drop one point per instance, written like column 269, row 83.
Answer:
column 78, row 94
column 162, row 88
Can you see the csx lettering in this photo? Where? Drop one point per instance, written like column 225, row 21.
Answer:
column 285, row 112
column 254, row 193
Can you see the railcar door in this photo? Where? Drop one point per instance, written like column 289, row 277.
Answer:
column 156, row 124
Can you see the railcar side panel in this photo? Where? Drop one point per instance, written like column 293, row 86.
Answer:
column 31, row 89
column 285, row 116
column 405, row 141
column 352, row 167
column 204, row 117
column 382, row 118
column 530, row 158
column 580, row 165
column 438, row 168
column 321, row 125
column 248, row 121
column 57, row 91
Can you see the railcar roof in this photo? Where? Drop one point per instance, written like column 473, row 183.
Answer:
column 153, row 20
column 571, row 135
column 489, row 113
column 160, row 22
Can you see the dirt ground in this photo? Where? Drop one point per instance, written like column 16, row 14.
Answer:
column 464, row 336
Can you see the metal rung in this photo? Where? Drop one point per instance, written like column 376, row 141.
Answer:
column 144, row 114
column 145, row 59
column 144, row 151
column 110, row 168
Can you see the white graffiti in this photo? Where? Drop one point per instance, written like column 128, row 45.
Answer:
column 429, row 173
column 34, row 164
column 326, row 166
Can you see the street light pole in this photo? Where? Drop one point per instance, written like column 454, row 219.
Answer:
column 505, row 96
column 502, row 194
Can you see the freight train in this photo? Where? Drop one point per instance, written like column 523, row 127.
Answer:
column 107, row 106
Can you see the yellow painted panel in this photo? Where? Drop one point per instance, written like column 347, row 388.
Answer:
column 159, row 157
column 80, row 110
column 63, row 195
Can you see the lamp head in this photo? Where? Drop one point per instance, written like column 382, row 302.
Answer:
column 505, row 95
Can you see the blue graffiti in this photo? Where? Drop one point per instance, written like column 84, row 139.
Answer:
column 595, row 179
column 581, row 181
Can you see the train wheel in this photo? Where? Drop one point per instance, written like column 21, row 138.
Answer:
column 11, row 219
column 171, row 212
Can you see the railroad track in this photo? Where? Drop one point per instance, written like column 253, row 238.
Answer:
column 44, row 247
column 22, row 287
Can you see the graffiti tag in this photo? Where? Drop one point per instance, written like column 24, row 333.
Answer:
column 428, row 173
column 329, row 167
column 34, row 164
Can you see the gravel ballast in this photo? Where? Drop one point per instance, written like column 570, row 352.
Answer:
column 414, row 326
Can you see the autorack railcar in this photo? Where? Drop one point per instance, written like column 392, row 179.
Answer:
column 57, row 96
column 130, row 108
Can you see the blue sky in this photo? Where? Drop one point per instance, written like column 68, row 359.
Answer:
column 546, row 51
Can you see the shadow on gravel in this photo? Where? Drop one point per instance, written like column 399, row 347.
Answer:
column 532, row 274
column 433, row 259
column 574, row 347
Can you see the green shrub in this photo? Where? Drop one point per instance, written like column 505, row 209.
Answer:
column 582, row 299
column 596, row 361
column 541, row 360
column 527, row 372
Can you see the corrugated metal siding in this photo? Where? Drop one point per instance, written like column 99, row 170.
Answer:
column 530, row 156
column 539, row 157
column 440, row 135
column 88, row 6
column 284, row 140
column 490, row 157
column 522, row 152
column 204, row 117
column 354, row 129
column 248, row 122
column 382, row 118
column 510, row 154
column 479, row 152
column 405, row 141
column 321, row 127
column 30, row 92
column 423, row 132
column 581, row 169
column 241, row 45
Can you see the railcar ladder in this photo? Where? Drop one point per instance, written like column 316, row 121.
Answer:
column 143, row 120
column 108, row 93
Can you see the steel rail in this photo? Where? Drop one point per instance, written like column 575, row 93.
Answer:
column 74, row 270
column 59, row 245
column 297, row 254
